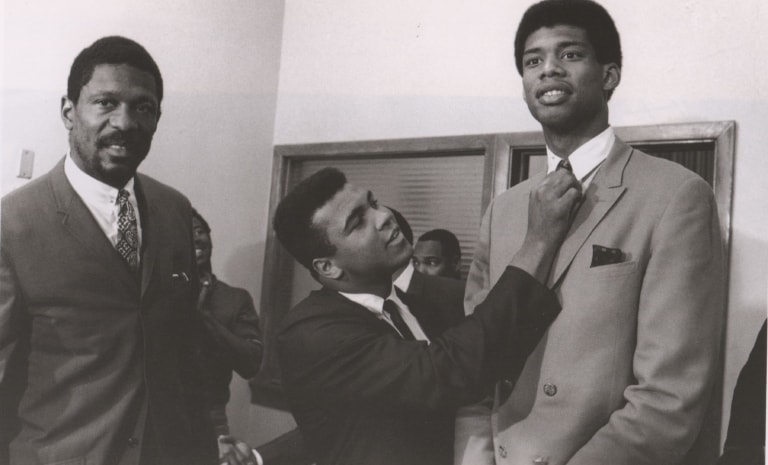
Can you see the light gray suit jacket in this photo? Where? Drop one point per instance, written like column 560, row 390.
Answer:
column 626, row 372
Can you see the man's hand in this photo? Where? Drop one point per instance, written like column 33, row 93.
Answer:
column 232, row 451
column 550, row 206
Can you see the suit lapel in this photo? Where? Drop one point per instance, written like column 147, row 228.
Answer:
column 79, row 222
column 149, row 233
column 604, row 191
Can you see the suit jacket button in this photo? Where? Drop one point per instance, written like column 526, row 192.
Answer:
column 502, row 452
column 540, row 461
column 550, row 389
column 133, row 442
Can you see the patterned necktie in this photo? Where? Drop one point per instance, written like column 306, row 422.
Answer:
column 393, row 311
column 565, row 164
column 127, row 231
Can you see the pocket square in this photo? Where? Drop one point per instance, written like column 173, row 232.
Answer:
column 605, row 256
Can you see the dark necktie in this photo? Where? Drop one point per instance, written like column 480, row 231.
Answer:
column 127, row 231
column 393, row 311
column 565, row 164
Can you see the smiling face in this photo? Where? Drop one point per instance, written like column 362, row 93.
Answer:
column 368, row 242
column 202, row 241
column 564, row 85
column 112, row 123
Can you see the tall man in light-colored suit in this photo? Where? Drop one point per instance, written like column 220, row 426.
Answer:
column 98, row 286
column 625, row 374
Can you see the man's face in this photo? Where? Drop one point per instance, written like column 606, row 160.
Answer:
column 369, row 245
column 112, row 123
column 563, row 83
column 202, row 241
column 428, row 258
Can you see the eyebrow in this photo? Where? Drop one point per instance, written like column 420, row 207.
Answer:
column 357, row 211
column 560, row 45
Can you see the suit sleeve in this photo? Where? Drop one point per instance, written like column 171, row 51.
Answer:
column 340, row 361
column 473, row 443
column 680, row 320
column 242, row 343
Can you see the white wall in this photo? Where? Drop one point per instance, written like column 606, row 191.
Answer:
column 220, row 62
column 366, row 69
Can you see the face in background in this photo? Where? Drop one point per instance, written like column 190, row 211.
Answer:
column 202, row 242
column 563, row 83
column 369, row 244
column 112, row 123
column 429, row 258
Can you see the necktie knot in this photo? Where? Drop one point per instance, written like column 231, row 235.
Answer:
column 392, row 310
column 565, row 164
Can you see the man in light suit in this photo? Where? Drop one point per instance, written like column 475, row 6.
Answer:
column 368, row 380
column 98, row 285
column 625, row 374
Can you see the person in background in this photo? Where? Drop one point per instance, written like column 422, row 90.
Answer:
column 438, row 253
column 626, row 373
column 446, row 293
column 367, row 379
column 745, row 442
column 233, row 338
column 98, row 284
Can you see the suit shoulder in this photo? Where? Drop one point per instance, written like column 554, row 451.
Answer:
column 658, row 170
column 155, row 189
column 33, row 191
column 237, row 292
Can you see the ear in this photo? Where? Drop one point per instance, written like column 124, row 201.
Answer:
column 327, row 268
column 611, row 76
column 67, row 108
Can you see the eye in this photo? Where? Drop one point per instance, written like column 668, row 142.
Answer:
column 105, row 103
column 532, row 61
column 572, row 55
column 147, row 108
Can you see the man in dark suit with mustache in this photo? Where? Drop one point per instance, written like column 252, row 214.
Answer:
column 97, row 287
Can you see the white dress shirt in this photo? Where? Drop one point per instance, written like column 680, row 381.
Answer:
column 375, row 305
column 403, row 282
column 586, row 160
column 101, row 199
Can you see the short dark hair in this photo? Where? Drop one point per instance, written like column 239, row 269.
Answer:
column 447, row 240
column 402, row 223
column 111, row 50
column 203, row 223
column 585, row 14
column 293, row 217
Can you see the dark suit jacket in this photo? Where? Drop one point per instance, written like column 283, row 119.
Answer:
column 362, row 395
column 447, row 294
column 745, row 443
column 93, row 359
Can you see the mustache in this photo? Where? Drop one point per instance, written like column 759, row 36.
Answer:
column 126, row 138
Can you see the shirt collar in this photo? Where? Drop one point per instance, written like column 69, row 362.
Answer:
column 89, row 187
column 403, row 282
column 588, row 157
column 372, row 302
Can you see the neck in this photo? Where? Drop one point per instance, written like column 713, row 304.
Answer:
column 564, row 141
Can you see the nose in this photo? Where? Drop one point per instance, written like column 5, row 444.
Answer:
column 551, row 66
column 123, row 118
column 384, row 218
